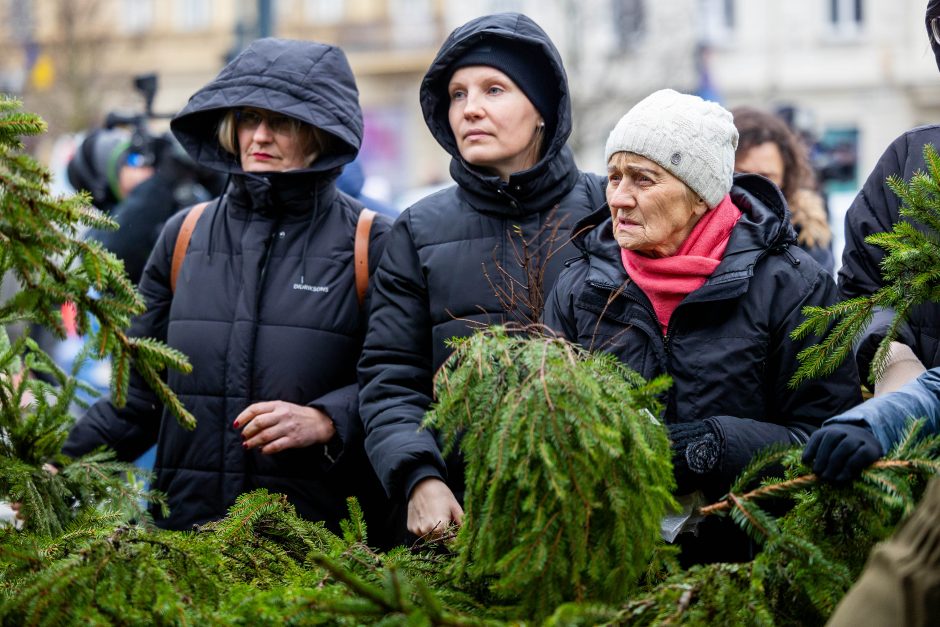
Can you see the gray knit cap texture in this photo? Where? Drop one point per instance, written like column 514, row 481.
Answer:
column 691, row 138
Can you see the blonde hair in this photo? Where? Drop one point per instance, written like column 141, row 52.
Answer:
column 314, row 141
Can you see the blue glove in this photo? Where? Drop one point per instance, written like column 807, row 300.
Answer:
column 840, row 452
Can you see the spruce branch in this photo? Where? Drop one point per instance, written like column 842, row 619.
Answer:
column 789, row 486
column 911, row 274
column 553, row 436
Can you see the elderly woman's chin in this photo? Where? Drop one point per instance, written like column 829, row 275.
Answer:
column 629, row 235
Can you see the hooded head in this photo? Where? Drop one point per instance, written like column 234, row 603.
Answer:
column 96, row 163
column 692, row 139
column 307, row 81
column 933, row 28
column 515, row 45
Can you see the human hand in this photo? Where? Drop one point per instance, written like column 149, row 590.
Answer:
column 431, row 508
column 696, row 451
column 275, row 426
column 839, row 452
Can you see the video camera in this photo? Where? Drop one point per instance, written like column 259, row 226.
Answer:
column 146, row 149
column 193, row 182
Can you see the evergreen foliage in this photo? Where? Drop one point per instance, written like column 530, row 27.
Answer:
column 911, row 271
column 261, row 565
column 264, row 565
column 568, row 474
column 42, row 252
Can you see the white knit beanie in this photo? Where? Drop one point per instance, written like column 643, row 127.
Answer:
column 693, row 139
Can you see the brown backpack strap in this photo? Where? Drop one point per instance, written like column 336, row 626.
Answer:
column 361, row 252
column 182, row 241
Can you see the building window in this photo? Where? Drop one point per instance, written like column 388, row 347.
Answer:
column 193, row 14
column 324, row 11
column 715, row 21
column 846, row 16
column 137, row 15
column 629, row 19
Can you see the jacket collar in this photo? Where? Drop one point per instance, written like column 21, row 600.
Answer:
column 285, row 195
column 527, row 192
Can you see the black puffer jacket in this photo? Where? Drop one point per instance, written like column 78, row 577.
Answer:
column 876, row 210
column 265, row 305
column 728, row 347
column 450, row 254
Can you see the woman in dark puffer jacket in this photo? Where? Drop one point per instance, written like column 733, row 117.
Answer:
column 265, row 304
column 496, row 99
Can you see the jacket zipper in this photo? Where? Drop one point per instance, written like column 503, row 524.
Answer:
column 667, row 348
column 269, row 247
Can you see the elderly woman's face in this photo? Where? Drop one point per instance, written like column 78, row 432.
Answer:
column 653, row 212
column 269, row 142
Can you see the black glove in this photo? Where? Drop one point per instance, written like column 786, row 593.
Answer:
column 840, row 452
column 696, row 450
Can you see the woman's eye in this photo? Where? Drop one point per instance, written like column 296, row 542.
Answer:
column 495, row 90
column 613, row 179
column 457, row 94
column 277, row 122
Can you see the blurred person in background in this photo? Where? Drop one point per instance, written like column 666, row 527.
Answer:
column 876, row 209
column 150, row 187
column 496, row 98
column 99, row 167
column 265, row 305
column 351, row 182
column 139, row 191
column 769, row 148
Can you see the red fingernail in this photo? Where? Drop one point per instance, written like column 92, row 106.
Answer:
column 235, row 424
column 244, row 444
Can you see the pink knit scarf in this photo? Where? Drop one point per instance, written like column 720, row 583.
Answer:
column 667, row 280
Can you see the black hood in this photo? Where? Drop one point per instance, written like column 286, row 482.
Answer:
column 305, row 80
column 933, row 10
column 435, row 103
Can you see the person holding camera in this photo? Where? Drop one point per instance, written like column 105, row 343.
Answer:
column 265, row 303
column 149, row 183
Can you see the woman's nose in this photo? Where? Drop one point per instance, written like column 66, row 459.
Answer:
column 472, row 106
column 621, row 196
column 263, row 131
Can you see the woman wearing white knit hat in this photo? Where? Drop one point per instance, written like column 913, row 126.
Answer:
column 692, row 272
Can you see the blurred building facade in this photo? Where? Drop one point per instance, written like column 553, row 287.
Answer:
column 851, row 73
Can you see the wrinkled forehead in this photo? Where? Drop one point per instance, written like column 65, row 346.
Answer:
column 622, row 161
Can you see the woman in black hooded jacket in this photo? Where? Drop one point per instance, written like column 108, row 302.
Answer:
column 496, row 99
column 264, row 305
